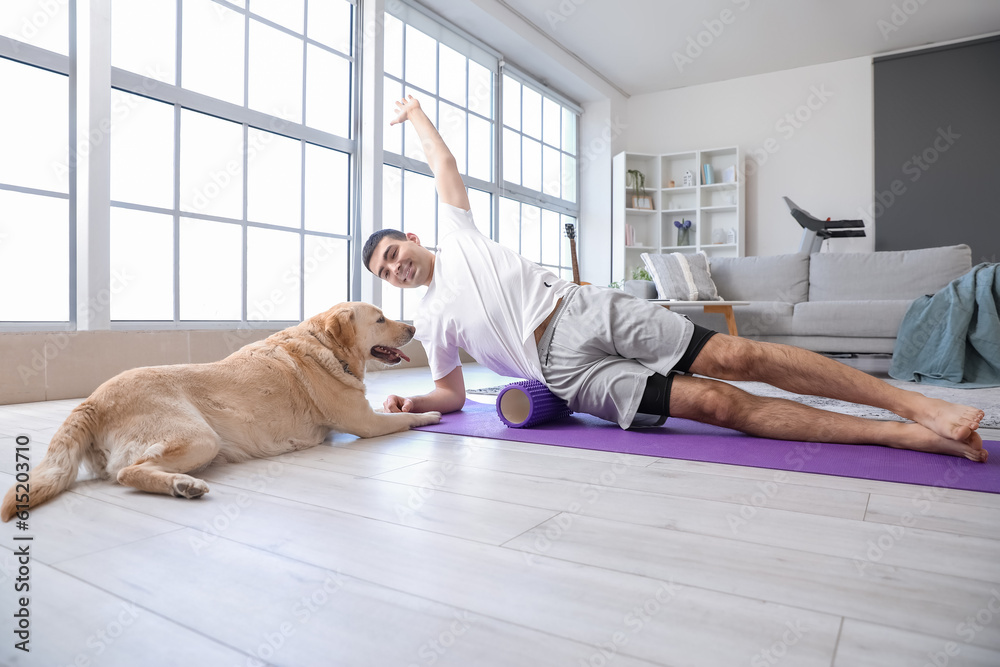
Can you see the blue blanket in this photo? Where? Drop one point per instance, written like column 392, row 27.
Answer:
column 953, row 337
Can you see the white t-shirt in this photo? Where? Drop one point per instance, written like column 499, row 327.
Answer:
column 484, row 298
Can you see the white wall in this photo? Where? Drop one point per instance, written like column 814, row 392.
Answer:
column 807, row 134
column 602, row 135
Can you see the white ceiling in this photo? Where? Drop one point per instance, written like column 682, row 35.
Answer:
column 635, row 45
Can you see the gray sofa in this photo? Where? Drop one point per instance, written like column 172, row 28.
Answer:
column 830, row 302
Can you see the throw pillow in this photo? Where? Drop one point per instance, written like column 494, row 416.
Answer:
column 683, row 277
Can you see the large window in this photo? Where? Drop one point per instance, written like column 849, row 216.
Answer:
column 231, row 159
column 521, row 182
column 35, row 211
column 539, row 169
column 220, row 189
column 454, row 80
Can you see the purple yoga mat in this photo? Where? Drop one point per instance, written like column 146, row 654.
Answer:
column 693, row 441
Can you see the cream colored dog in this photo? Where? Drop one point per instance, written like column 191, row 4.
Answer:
column 147, row 427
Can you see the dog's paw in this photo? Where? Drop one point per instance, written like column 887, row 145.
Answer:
column 427, row 418
column 186, row 486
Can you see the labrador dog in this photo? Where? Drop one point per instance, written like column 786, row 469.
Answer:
column 149, row 427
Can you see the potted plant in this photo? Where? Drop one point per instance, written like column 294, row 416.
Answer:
column 641, row 284
column 636, row 181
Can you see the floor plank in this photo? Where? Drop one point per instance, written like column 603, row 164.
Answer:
column 914, row 600
column 904, row 545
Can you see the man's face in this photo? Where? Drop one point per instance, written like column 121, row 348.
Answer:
column 402, row 263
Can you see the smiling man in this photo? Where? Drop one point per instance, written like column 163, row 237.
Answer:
column 615, row 356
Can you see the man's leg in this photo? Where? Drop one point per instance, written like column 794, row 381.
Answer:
column 803, row 372
column 722, row 404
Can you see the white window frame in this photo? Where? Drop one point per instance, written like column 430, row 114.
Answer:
column 29, row 55
column 181, row 98
column 450, row 35
column 91, row 78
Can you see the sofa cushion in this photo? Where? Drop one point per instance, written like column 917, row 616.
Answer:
column 773, row 278
column 679, row 276
column 867, row 319
column 902, row 274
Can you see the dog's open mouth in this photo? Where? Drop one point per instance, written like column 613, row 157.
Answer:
column 388, row 355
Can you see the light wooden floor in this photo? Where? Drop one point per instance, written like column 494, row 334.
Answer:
column 424, row 549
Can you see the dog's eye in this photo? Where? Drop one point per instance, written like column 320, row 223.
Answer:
column 380, row 320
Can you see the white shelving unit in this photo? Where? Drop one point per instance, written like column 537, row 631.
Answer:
column 716, row 209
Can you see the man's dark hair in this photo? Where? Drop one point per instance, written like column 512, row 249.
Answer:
column 374, row 240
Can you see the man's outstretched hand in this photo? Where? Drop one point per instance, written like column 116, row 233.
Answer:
column 403, row 109
column 397, row 404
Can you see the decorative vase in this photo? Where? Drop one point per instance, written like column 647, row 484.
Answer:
column 684, row 237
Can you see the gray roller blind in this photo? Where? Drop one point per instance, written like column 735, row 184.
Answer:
column 937, row 149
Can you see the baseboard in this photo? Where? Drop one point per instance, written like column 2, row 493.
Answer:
column 48, row 366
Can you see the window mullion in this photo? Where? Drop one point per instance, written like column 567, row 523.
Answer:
column 93, row 170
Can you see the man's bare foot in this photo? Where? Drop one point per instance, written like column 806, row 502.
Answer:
column 922, row 439
column 949, row 420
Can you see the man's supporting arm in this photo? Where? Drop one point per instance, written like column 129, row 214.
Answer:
column 447, row 180
column 448, row 396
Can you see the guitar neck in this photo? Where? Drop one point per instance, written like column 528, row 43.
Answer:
column 576, row 266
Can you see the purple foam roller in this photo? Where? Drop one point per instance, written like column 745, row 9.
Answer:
column 528, row 403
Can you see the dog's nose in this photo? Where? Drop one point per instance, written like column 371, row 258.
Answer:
column 412, row 329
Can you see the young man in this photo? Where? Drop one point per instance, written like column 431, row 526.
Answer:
column 618, row 357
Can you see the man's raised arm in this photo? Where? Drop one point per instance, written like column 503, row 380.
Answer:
column 447, row 180
column 448, row 396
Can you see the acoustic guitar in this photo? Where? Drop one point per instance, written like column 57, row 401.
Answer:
column 571, row 235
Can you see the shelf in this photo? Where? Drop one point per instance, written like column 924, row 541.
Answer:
column 710, row 208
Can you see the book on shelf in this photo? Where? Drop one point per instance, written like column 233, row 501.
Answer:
column 629, row 234
column 709, row 176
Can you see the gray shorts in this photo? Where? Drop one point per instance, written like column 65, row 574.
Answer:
column 602, row 345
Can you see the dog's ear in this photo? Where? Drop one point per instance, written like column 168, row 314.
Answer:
column 340, row 325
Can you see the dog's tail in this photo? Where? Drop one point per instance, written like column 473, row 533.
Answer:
column 57, row 470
